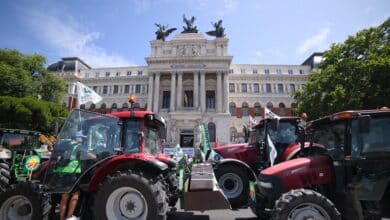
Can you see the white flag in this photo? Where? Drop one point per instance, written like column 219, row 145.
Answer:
column 86, row 94
column 272, row 150
column 269, row 114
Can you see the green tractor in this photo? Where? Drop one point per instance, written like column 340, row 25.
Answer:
column 20, row 155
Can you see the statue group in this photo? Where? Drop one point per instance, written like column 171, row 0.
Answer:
column 163, row 31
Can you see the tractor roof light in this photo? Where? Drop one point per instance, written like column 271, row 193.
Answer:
column 132, row 98
column 342, row 115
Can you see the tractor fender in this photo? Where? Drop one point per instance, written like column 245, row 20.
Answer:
column 124, row 162
column 293, row 150
column 238, row 163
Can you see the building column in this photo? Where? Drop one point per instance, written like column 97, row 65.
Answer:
column 179, row 102
column 156, row 93
column 173, row 93
column 150, row 92
column 196, row 91
column 219, row 92
column 202, row 91
column 226, row 92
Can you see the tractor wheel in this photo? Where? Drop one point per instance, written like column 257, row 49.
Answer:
column 234, row 183
column 130, row 195
column 23, row 201
column 305, row 204
column 5, row 176
column 173, row 187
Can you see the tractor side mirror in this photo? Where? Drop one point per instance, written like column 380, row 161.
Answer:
column 364, row 122
column 274, row 124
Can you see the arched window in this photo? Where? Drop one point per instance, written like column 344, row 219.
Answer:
column 245, row 109
column 114, row 108
column 270, row 106
column 92, row 107
column 257, row 109
column 82, row 106
column 232, row 109
column 103, row 108
column 233, row 134
column 136, row 106
column 125, row 107
column 212, row 131
column 293, row 108
column 282, row 109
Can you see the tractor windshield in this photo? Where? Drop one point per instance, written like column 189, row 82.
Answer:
column 285, row 135
column 18, row 141
column 152, row 137
column 85, row 139
column 332, row 138
column 376, row 140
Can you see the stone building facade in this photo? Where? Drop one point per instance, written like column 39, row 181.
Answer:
column 191, row 80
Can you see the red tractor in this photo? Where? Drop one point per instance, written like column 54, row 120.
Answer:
column 117, row 168
column 237, row 163
column 348, row 179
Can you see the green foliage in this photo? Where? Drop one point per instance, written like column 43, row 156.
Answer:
column 29, row 113
column 355, row 74
column 16, row 77
column 28, row 102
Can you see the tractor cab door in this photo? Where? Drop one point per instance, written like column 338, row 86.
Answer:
column 86, row 139
column 370, row 155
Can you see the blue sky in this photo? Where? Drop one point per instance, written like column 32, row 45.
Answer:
column 117, row 33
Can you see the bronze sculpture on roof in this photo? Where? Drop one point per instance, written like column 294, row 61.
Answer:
column 163, row 31
column 189, row 28
column 218, row 31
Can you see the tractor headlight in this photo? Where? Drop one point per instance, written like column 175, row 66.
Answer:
column 266, row 185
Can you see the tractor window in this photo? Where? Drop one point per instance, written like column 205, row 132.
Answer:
column 132, row 142
column 285, row 135
column 332, row 137
column 376, row 140
column 151, row 140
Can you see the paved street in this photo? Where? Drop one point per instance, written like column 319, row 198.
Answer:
column 241, row 214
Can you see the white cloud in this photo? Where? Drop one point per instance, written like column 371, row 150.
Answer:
column 70, row 39
column 258, row 54
column 230, row 5
column 315, row 42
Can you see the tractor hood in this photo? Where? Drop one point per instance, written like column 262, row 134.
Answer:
column 296, row 173
column 231, row 148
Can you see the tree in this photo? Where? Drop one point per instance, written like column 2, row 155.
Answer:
column 17, row 80
column 30, row 96
column 355, row 74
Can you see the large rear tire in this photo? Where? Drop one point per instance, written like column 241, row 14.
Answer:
column 130, row 195
column 173, row 188
column 23, row 201
column 5, row 175
column 304, row 204
column 234, row 183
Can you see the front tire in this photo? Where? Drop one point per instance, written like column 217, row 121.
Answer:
column 234, row 183
column 23, row 201
column 5, row 176
column 130, row 195
column 173, row 187
column 304, row 204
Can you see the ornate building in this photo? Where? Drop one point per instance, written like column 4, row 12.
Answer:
column 190, row 80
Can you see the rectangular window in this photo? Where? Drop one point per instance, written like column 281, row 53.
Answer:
column 280, row 88
column 118, row 73
column 210, row 99
column 139, row 72
column 231, row 87
column 292, row 88
column 166, row 99
column 95, row 88
column 231, row 71
column 138, row 88
column 116, row 89
column 86, row 75
column 268, row 88
column 301, row 72
column 107, row 74
column 97, row 75
column 243, row 87
column 105, row 90
column 254, row 71
column 256, row 88
column 127, row 89
column 242, row 71
column 290, row 72
column 278, row 71
column 188, row 99
column 128, row 73
column 266, row 71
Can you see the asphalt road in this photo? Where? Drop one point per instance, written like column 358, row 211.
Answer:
column 225, row 214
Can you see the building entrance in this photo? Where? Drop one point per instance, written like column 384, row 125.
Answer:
column 187, row 139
